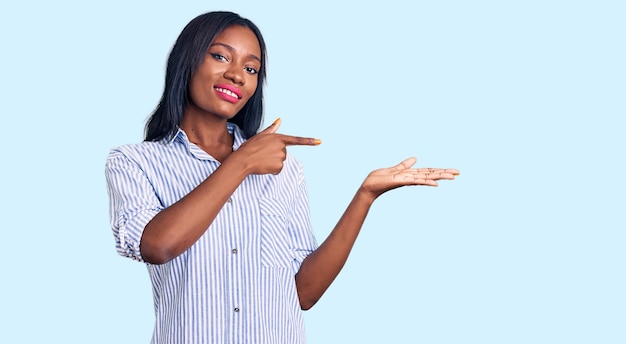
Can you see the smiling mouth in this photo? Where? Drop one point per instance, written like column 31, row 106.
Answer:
column 227, row 92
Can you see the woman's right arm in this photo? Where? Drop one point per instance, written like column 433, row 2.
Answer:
column 176, row 228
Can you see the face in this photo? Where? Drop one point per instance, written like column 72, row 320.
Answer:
column 228, row 76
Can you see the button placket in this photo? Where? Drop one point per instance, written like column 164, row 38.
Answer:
column 236, row 280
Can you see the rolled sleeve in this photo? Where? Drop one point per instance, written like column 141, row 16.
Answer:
column 132, row 203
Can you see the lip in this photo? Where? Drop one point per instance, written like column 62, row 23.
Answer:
column 228, row 96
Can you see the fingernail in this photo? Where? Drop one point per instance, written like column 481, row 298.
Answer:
column 276, row 121
column 317, row 141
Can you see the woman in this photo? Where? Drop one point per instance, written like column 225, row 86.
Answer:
column 220, row 212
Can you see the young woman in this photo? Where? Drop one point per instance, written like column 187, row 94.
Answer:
column 218, row 212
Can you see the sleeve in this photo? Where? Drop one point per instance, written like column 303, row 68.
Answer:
column 302, row 238
column 132, row 203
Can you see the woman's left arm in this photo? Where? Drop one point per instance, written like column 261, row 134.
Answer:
column 321, row 267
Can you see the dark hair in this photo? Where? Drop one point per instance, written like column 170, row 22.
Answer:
column 185, row 58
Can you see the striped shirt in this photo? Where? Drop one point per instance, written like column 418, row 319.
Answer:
column 236, row 283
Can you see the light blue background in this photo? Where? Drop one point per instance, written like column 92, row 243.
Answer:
column 526, row 98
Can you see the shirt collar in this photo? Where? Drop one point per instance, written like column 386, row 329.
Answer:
column 233, row 129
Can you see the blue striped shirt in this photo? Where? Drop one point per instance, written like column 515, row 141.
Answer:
column 236, row 283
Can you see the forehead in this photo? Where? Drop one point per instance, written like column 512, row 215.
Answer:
column 241, row 38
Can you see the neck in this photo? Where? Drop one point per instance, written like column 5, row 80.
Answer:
column 206, row 131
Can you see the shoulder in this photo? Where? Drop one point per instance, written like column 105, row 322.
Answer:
column 293, row 169
column 141, row 148
column 137, row 152
column 292, row 160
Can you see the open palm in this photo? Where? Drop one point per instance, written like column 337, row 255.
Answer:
column 385, row 179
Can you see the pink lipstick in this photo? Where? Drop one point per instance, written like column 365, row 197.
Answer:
column 229, row 93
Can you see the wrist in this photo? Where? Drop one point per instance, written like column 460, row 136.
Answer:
column 365, row 195
column 237, row 164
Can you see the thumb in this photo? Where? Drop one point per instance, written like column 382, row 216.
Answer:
column 272, row 128
column 407, row 163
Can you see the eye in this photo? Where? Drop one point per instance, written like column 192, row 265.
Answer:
column 251, row 70
column 219, row 57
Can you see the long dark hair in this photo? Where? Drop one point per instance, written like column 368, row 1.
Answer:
column 185, row 58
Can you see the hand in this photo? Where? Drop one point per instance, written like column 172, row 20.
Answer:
column 266, row 151
column 385, row 179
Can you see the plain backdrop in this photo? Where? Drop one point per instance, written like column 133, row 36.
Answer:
column 525, row 98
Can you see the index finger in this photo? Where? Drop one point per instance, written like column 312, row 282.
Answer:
column 299, row 141
column 453, row 171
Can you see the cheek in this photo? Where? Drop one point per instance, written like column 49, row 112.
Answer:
column 198, row 89
column 251, row 85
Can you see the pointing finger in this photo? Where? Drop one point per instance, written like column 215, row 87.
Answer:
column 300, row 141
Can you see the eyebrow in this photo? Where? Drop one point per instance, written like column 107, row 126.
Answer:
column 231, row 49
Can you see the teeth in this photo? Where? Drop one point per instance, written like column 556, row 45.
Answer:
column 229, row 92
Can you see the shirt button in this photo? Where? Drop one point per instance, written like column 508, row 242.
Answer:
column 234, row 251
column 236, row 309
column 230, row 200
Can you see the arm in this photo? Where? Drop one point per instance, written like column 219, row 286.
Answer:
column 176, row 228
column 321, row 267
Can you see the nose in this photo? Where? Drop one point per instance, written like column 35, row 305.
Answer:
column 234, row 73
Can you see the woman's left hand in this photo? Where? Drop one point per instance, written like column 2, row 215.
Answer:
column 385, row 179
